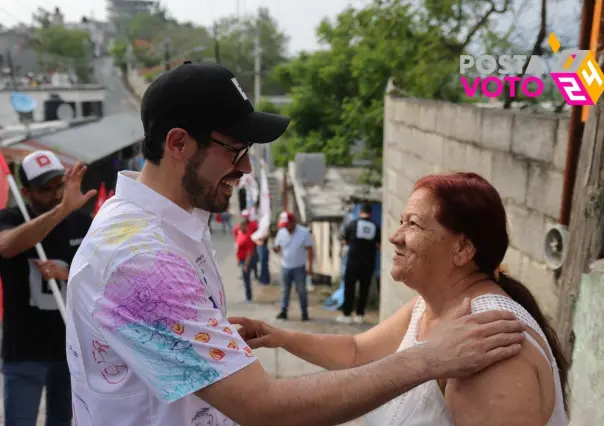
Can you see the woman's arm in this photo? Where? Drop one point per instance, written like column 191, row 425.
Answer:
column 340, row 351
column 508, row 393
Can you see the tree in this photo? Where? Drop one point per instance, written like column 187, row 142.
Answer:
column 64, row 49
column 338, row 93
column 118, row 52
column 235, row 37
column 237, row 46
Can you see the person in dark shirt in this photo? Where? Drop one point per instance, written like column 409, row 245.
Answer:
column 33, row 346
column 363, row 238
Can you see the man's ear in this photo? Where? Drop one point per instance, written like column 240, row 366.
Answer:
column 178, row 144
column 25, row 192
column 464, row 251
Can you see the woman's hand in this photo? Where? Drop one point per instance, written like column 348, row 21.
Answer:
column 258, row 334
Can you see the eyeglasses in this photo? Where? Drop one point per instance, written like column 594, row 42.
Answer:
column 239, row 153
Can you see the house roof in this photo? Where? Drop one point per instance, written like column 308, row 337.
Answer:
column 332, row 199
column 94, row 141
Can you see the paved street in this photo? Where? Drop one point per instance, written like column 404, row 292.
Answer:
column 117, row 98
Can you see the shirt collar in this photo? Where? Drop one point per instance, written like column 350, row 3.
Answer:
column 193, row 225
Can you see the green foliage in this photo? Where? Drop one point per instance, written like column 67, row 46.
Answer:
column 145, row 26
column 151, row 74
column 338, row 92
column 236, row 40
column 147, row 57
column 64, row 49
column 266, row 106
column 118, row 52
column 235, row 37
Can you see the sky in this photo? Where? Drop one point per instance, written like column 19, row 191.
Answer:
column 297, row 18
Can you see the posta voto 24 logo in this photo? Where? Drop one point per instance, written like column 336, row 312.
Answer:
column 575, row 73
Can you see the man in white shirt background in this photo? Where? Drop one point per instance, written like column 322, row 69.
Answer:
column 294, row 243
column 148, row 340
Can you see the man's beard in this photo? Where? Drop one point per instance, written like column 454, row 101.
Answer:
column 40, row 208
column 199, row 190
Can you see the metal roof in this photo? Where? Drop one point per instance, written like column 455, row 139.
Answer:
column 94, row 141
column 17, row 152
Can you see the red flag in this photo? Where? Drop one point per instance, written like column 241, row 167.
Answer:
column 4, row 187
column 4, row 191
column 111, row 194
column 100, row 199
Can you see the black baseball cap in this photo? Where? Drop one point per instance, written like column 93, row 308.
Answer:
column 206, row 97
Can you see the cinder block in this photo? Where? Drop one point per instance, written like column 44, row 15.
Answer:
column 447, row 116
column 468, row 123
column 479, row 161
column 389, row 108
column 526, row 229
column 513, row 260
column 406, row 139
column 455, row 154
column 415, row 168
column 389, row 180
column 394, row 159
column 428, row 116
column 541, row 282
column 432, row 147
column 389, row 129
column 544, row 190
column 396, row 205
column 404, row 186
column 561, row 143
column 497, row 128
column 534, row 136
column 510, row 176
column 406, row 112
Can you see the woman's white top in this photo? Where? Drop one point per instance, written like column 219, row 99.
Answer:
column 425, row 404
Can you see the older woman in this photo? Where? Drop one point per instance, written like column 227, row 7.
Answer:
column 449, row 245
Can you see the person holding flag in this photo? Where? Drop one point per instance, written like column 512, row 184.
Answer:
column 33, row 346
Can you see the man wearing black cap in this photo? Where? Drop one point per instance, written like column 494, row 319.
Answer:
column 148, row 338
column 33, row 346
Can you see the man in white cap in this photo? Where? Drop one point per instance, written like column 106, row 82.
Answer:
column 294, row 243
column 33, row 346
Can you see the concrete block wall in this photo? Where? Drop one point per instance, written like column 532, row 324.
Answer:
column 521, row 154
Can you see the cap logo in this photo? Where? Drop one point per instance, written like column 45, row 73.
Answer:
column 238, row 86
column 43, row 160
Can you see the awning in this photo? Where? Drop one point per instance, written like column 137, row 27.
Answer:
column 94, row 141
column 17, row 152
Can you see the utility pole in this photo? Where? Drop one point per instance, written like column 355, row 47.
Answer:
column 260, row 148
column 216, row 44
column 11, row 68
column 167, row 53
column 257, row 63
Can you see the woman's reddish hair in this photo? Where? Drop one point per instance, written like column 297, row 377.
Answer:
column 468, row 204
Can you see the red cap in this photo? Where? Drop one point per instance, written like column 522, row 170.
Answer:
column 285, row 218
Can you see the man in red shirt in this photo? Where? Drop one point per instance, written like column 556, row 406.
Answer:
column 252, row 226
column 246, row 249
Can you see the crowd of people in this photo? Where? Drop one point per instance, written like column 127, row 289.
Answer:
column 147, row 339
